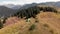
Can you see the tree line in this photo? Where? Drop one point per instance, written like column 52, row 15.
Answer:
column 33, row 11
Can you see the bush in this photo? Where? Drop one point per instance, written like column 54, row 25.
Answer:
column 4, row 20
column 50, row 9
column 32, row 27
column 1, row 25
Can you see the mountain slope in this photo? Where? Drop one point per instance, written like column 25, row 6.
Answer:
column 4, row 11
column 51, row 19
column 47, row 23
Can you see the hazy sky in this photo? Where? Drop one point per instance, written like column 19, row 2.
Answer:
column 24, row 1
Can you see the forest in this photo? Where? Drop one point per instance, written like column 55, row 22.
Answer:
column 33, row 11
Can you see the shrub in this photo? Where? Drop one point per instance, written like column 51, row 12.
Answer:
column 4, row 20
column 1, row 25
column 50, row 9
column 32, row 27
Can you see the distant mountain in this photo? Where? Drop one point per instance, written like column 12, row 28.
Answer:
column 16, row 7
column 12, row 6
column 28, row 5
column 4, row 11
column 57, row 4
column 9, row 5
column 8, row 9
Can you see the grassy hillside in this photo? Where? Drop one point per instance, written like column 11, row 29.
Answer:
column 44, row 23
column 51, row 19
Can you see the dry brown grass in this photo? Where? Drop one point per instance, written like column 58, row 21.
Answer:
column 51, row 19
column 22, row 27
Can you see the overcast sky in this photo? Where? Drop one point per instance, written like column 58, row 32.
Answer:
column 24, row 1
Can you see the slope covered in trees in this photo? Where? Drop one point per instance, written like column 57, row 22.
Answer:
column 33, row 11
